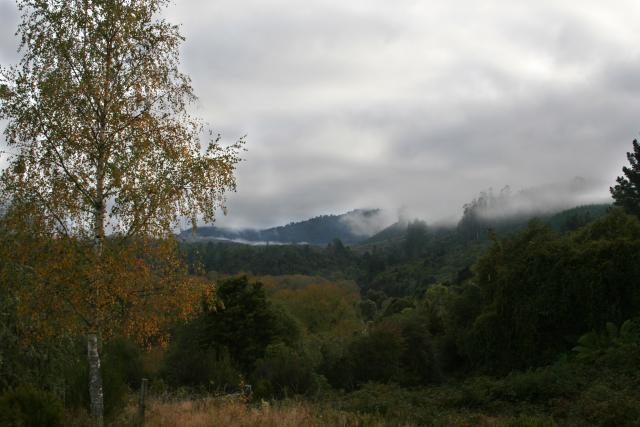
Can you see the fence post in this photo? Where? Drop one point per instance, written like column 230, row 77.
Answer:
column 141, row 403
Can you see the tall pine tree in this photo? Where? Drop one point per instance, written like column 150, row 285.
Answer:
column 626, row 192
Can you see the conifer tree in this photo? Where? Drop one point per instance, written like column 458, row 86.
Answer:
column 626, row 192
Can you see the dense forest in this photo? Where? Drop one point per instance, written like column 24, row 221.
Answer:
column 319, row 230
column 529, row 321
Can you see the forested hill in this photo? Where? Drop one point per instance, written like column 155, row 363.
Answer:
column 473, row 226
column 352, row 227
column 402, row 260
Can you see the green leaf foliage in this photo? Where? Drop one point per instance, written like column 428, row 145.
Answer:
column 30, row 407
column 225, row 342
column 626, row 192
column 543, row 290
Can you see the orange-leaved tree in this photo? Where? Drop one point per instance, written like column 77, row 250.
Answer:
column 105, row 159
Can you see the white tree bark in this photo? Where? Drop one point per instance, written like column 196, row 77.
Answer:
column 96, row 394
column 95, row 381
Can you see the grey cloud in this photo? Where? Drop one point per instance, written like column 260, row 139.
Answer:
column 8, row 25
column 420, row 105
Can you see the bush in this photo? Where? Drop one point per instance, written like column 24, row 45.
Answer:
column 30, row 407
column 123, row 356
column 539, row 385
column 530, row 421
column 211, row 368
column 116, row 368
column 224, row 342
column 475, row 392
column 282, row 373
column 376, row 356
column 368, row 309
column 397, row 405
column 603, row 406
column 418, row 360
column 543, row 290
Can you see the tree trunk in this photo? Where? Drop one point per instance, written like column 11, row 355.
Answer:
column 95, row 381
column 96, row 395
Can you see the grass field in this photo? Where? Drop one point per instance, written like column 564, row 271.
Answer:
column 233, row 412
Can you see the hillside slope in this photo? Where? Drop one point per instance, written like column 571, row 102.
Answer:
column 352, row 227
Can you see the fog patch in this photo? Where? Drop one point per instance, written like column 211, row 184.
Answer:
column 367, row 222
column 539, row 200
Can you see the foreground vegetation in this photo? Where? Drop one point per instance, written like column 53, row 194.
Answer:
column 529, row 323
column 214, row 412
column 543, row 329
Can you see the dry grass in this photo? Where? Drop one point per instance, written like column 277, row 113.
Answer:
column 209, row 412
column 225, row 411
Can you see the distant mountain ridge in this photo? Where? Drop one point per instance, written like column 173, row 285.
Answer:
column 560, row 220
column 352, row 227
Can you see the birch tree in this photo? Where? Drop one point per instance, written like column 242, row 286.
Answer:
column 102, row 145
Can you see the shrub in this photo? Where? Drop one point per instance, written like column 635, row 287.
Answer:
column 530, row 421
column 368, row 309
column 539, row 385
column 124, row 357
column 283, row 372
column 418, row 361
column 374, row 398
column 376, row 356
column 116, row 369
column 224, row 342
column 603, row 406
column 30, row 407
column 475, row 392
column 397, row 405
column 212, row 368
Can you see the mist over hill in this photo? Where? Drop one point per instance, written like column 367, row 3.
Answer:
column 351, row 227
column 502, row 209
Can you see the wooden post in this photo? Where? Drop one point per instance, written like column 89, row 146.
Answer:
column 141, row 403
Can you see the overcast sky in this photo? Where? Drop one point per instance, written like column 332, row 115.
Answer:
column 407, row 104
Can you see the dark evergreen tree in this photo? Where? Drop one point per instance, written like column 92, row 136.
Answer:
column 228, row 339
column 626, row 192
column 415, row 238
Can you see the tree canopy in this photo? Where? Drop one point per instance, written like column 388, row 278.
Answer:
column 99, row 125
column 626, row 192
column 101, row 142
